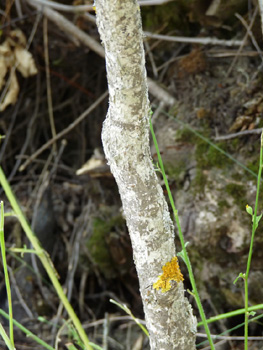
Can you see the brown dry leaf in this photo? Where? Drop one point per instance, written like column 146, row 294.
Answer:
column 5, row 61
column 17, row 38
column 12, row 92
column 13, row 55
column 25, row 62
column 242, row 122
column 3, row 71
column 91, row 165
column 96, row 166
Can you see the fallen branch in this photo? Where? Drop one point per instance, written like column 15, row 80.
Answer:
column 74, row 33
column 203, row 41
column 238, row 134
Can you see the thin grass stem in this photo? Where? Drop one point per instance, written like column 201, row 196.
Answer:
column 184, row 251
column 255, row 221
column 5, row 338
column 45, row 260
column 128, row 311
column 7, row 282
column 231, row 314
column 27, row 332
column 231, row 330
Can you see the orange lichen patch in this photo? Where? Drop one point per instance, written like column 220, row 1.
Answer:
column 171, row 272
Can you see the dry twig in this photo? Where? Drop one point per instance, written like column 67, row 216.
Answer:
column 243, row 41
column 250, row 33
column 260, row 3
column 65, row 131
column 203, row 41
column 49, row 91
column 86, row 8
column 238, row 134
column 74, row 33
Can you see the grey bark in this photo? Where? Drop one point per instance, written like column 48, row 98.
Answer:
column 125, row 137
column 77, row 36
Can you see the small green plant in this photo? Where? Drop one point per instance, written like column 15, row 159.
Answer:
column 44, row 258
column 228, row 331
column 9, row 341
column 6, row 338
column 128, row 312
column 248, row 311
column 183, row 254
column 27, row 332
column 255, row 220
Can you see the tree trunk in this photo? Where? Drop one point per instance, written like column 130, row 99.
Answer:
column 125, row 137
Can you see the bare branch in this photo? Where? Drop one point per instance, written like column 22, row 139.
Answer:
column 75, row 34
column 238, row 134
column 78, row 36
column 260, row 3
column 203, row 41
column 65, row 131
column 87, row 8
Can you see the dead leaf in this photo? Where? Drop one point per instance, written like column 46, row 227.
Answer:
column 25, row 62
column 242, row 122
column 3, row 71
column 12, row 92
column 96, row 166
column 17, row 38
column 5, row 61
column 13, row 55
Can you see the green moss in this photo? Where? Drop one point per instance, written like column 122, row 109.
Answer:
column 236, row 176
column 199, row 181
column 172, row 15
column 254, row 165
column 98, row 247
column 235, row 143
column 186, row 135
column 176, row 170
column 222, row 205
column 237, row 192
column 208, row 156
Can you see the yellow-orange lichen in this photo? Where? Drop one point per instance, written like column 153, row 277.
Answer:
column 171, row 272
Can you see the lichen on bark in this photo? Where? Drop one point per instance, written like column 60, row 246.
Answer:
column 125, row 139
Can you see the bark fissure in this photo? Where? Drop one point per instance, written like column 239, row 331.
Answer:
column 125, row 139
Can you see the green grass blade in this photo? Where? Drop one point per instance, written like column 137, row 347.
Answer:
column 6, row 339
column 7, row 282
column 231, row 330
column 184, row 253
column 231, row 314
column 128, row 311
column 44, row 258
column 27, row 332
